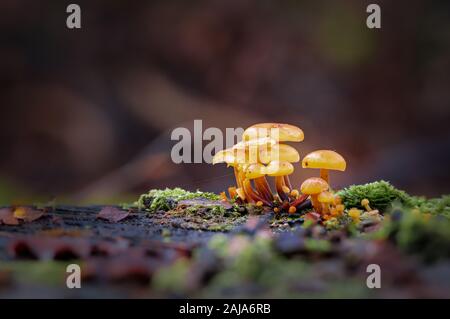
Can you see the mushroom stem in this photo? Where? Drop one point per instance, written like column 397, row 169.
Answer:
column 324, row 175
column 287, row 182
column 263, row 188
column 237, row 176
column 279, row 183
column 315, row 202
column 250, row 192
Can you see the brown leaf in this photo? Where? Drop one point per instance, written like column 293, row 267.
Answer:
column 7, row 217
column 113, row 214
column 27, row 214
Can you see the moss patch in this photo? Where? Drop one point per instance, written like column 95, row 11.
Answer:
column 381, row 195
column 167, row 199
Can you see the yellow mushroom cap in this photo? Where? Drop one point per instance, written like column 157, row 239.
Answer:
column 234, row 157
column 354, row 213
column 278, row 152
column 326, row 197
column 256, row 143
column 278, row 131
column 313, row 186
column 324, row 159
column 364, row 202
column 253, row 171
column 279, row 168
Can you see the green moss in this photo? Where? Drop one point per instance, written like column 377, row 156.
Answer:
column 167, row 199
column 381, row 195
column 424, row 235
column 435, row 206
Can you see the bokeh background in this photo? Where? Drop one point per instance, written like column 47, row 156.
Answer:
column 86, row 115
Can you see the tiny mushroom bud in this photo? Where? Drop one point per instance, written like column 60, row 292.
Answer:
column 314, row 186
column 355, row 214
column 325, row 198
column 324, row 160
column 365, row 204
column 294, row 193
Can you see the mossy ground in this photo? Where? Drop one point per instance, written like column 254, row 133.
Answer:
column 243, row 251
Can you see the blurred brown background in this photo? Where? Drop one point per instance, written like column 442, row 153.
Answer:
column 87, row 114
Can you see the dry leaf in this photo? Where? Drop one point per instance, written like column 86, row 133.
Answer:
column 113, row 214
column 27, row 214
column 7, row 217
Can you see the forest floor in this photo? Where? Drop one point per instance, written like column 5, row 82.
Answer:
column 176, row 254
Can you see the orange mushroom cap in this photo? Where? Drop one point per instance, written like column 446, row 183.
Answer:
column 326, row 197
column 324, row 159
column 279, row 152
column 313, row 186
column 279, row 168
column 252, row 171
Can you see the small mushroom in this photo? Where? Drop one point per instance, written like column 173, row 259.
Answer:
column 280, row 153
column 324, row 160
column 365, row 203
column 355, row 215
column 233, row 158
column 325, row 198
column 313, row 187
column 278, row 131
column 279, row 169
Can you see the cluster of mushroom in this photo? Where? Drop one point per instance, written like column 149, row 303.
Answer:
column 261, row 154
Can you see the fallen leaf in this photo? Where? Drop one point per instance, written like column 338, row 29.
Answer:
column 113, row 214
column 27, row 214
column 7, row 217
